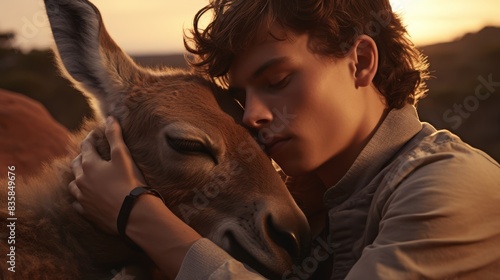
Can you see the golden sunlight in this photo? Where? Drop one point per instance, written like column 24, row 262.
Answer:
column 430, row 21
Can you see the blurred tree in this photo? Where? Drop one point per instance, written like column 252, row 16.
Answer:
column 6, row 40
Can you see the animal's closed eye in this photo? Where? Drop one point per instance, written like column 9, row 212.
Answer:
column 188, row 146
column 185, row 145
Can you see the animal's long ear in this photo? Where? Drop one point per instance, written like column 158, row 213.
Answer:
column 89, row 56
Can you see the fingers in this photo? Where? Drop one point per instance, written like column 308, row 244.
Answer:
column 88, row 151
column 74, row 190
column 115, row 139
column 76, row 166
column 78, row 207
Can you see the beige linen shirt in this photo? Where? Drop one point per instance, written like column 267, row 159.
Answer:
column 416, row 204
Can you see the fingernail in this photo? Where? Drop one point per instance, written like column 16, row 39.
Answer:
column 109, row 120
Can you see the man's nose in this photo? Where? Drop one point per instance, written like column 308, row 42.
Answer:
column 257, row 113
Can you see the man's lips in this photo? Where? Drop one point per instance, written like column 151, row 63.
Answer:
column 275, row 145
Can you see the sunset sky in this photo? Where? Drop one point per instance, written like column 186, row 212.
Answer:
column 155, row 26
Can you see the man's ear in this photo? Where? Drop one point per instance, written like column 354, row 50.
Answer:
column 365, row 54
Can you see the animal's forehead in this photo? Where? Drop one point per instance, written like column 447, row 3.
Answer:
column 187, row 96
column 171, row 90
column 174, row 99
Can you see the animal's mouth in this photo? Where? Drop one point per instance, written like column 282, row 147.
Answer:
column 242, row 254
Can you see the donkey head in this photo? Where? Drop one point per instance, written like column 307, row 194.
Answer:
column 182, row 133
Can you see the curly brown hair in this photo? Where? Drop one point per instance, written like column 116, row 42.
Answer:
column 335, row 26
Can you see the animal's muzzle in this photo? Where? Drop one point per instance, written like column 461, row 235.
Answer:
column 292, row 233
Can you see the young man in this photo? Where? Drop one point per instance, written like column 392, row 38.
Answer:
column 330, row 88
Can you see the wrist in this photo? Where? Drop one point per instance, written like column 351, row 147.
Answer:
column 162, row 235
column 126, row 207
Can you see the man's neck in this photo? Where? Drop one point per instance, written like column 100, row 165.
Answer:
column 375, row 112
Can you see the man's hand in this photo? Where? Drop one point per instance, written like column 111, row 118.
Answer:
column 100, row 186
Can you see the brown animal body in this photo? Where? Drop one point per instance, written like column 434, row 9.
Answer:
column 177, row 127
column 29, row 135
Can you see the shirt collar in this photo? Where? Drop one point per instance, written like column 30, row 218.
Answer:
column 399, row 126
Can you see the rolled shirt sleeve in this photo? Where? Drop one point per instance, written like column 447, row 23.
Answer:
column 205, row 260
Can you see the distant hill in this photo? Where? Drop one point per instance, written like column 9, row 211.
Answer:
column 459, row 68
column 460, row 98
column 35, row 75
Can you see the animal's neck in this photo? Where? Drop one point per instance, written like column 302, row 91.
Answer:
column 98, row 245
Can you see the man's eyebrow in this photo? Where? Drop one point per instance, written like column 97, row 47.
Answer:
column 259, row 71
column 268, row 64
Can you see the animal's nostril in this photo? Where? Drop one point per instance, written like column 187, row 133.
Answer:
column 289, row 236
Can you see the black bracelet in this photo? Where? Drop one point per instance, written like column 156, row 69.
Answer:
column 127, row 205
